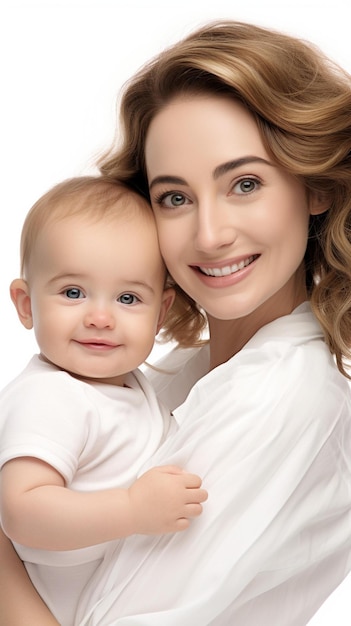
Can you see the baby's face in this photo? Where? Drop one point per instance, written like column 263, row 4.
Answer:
column 97, row 294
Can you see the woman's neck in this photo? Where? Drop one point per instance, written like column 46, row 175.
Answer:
column 228, row 337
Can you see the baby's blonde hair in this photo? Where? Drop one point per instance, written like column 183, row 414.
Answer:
column 93, row 197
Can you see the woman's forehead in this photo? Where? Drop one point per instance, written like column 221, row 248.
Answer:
column 210, row 129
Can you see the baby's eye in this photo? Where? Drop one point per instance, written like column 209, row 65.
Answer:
column 246, row 186
column 73, row 293
column 128, row 298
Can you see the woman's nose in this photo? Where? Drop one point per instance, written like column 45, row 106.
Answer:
column 214, row 228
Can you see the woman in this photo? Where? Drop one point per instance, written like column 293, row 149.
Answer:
column 241, row 138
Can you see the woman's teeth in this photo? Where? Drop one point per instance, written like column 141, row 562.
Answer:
column 228, row 269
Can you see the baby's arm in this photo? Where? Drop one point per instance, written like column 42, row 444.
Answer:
column 20, row 603
column 40, row 512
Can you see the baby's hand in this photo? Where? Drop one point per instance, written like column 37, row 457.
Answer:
column 164, row 500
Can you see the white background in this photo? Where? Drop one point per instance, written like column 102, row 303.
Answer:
column 62, row 65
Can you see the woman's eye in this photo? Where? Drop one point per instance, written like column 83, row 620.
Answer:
column 172, row 200
column 73, row 293
column 246, row 186
column 127, row 298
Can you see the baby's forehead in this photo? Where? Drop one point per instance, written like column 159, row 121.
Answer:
column 81, row 202
column 75, row 240
column 97, row 207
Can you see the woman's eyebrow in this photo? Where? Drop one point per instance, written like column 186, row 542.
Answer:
column 235, row 163
column 173, row 180
column 220, row 170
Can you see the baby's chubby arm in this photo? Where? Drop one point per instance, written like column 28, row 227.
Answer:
column 20, row 603
column 40, row 512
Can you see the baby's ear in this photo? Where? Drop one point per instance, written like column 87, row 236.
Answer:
column 20, row 297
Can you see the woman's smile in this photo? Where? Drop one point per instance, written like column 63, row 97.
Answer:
column 228, row 268
column 225, row 276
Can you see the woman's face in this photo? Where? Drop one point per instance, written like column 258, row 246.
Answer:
column 232, row 225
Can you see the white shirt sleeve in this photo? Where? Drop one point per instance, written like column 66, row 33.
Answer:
column 42, row 417
column 270, row 434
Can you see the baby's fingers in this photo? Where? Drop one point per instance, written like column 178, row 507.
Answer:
column 196, row 495
column 192, row 481
column 193, row 510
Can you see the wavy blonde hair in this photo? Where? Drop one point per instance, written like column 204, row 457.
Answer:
column 302, row 104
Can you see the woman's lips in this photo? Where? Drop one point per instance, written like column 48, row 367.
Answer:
column 227, row 273
column 228, row 268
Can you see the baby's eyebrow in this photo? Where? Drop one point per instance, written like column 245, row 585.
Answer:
column 138, row 284
column 68, row 276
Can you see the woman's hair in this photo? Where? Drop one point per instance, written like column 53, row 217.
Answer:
column 302, row 105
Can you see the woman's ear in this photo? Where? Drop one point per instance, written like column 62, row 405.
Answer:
column 318, row 203
column 167, row 301
column 20, row 297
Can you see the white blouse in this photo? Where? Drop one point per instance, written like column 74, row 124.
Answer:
column 270, row 434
